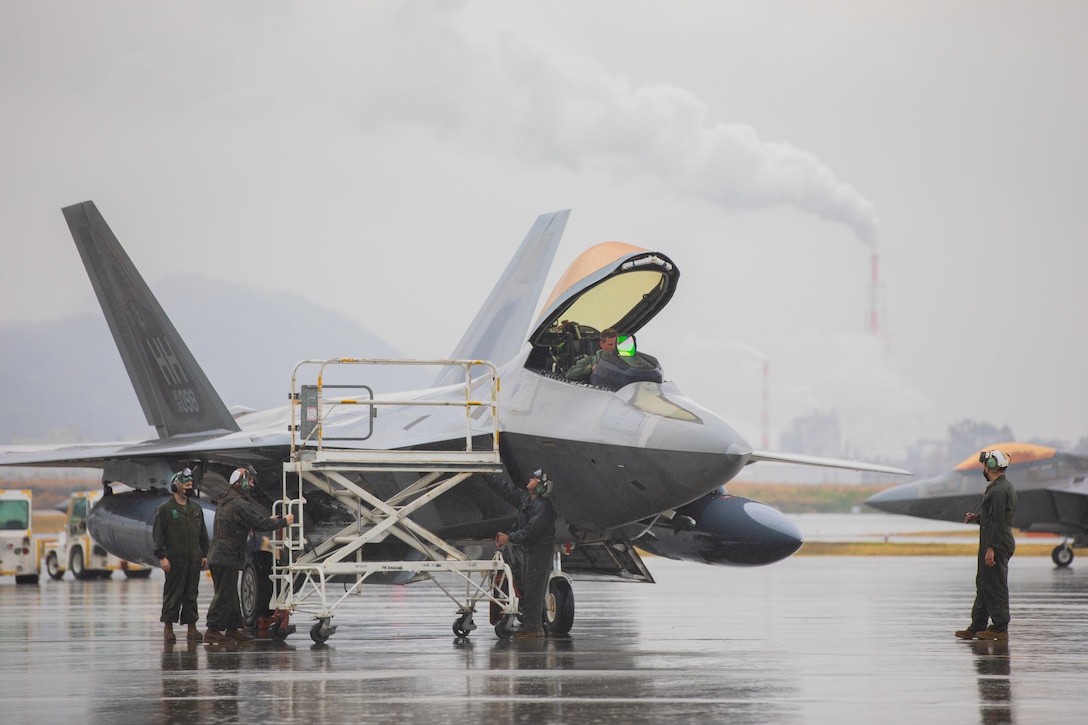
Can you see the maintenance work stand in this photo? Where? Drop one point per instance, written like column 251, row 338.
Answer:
column 338, row 466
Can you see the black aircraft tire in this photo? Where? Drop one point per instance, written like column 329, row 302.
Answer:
column 1062, row 555
column 248, row 595
column 559, row 607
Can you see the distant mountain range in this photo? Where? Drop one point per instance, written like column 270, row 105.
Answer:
column 64, row 381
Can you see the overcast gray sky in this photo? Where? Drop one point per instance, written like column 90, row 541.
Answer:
column 386, row 158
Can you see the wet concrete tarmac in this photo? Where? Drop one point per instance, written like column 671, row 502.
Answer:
column 808, row 640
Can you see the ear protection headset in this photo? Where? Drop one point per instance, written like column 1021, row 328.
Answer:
column 544, row 487
column 181, row 477
column 994, row 459
column 247, row 475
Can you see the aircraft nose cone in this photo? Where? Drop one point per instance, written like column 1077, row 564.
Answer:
column 896, row 500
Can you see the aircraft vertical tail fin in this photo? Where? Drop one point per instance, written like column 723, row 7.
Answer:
column 175, row 394
column 499, row 329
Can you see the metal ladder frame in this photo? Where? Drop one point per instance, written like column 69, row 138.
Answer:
column 301, row 575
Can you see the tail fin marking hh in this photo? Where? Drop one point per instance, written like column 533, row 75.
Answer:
column 175, row 394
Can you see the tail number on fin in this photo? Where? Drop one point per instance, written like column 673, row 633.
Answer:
column 185, row 400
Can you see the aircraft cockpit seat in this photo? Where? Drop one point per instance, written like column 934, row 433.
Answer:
column 578, row 340
column 561, row 346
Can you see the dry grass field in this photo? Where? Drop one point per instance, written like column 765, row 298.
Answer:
column 880, row 548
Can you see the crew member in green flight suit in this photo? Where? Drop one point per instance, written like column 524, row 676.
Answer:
column 181, row 545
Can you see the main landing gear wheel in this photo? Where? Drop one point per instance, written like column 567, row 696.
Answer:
column 559, row 606
column 463, row 625
column 1062, row 555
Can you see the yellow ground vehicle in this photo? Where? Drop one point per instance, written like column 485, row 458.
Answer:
column 19, row 555
column 75, row 550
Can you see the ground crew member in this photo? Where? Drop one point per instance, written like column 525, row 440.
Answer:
column 235, row 516
column 534, row 538
column 995, row 547
column 180, row 539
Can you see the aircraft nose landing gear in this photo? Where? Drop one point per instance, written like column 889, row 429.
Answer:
column 1062, row 554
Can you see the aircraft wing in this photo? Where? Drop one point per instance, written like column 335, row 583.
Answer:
column 803, row 460
column 1071, row 507
column 93, row 455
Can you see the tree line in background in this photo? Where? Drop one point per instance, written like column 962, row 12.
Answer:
column 967, row 437
column 819, row 434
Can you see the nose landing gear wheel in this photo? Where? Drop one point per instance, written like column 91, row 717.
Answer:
column 1062, row 555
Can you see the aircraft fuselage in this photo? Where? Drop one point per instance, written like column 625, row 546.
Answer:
column 624, row 455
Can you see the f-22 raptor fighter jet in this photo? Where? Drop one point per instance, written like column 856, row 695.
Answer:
column 634, row 462
column 1051, row 490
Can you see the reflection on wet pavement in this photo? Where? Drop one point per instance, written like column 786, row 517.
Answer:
column 809, row 640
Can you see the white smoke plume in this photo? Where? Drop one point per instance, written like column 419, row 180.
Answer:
column 575, row 112
column 558, row 108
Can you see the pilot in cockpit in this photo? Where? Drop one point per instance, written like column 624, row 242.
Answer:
column 583, row 368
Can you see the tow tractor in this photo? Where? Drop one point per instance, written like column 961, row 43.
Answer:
column 74, row 548
column 19, row 551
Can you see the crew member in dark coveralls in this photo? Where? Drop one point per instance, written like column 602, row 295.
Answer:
column 235, row 516
column 534, row 535
column 995, row 547
column 180, row 539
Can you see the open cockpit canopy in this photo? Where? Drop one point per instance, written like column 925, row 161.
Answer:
column 611, row 285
